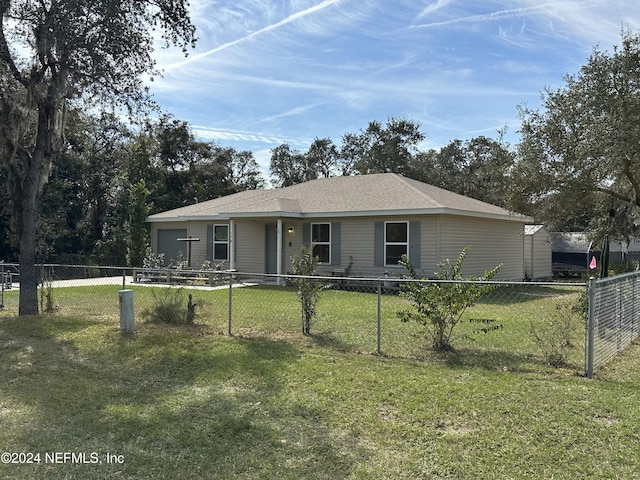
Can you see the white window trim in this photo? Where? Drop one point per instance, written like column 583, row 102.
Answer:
column 226, row 242
column 322, row 243
column 406, row 244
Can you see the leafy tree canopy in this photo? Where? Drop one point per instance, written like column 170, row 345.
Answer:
column 56, row 51
column 579, row 158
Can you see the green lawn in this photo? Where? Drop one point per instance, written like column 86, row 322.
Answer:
column 192, row 402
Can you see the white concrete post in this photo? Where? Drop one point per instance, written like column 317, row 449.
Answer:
column 127, row 322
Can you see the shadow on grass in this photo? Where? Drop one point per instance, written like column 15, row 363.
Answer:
column 500, row 360
column 330, row 341
column 516, row 294
column 176, row 402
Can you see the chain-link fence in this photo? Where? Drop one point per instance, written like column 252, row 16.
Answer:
column 511, row 326
column 614, row 319
column 517, row 325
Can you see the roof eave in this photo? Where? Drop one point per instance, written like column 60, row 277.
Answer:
column 361, row 213
column 383, row 213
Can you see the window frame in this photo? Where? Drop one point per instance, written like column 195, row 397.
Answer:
column 316, row 243
column 220, row 242
column 390, row 243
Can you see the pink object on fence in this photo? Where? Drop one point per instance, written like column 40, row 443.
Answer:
column 593, row 263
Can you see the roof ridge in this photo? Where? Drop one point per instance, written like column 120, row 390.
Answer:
column 410, row 182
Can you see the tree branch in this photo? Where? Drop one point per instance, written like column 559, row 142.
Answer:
column 5, row 54
column 632, row 179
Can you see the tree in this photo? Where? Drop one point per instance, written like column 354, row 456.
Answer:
column 137, row 234
column 579, row 156
column 322, row 157
column 439, row 306
column 478, row 168
column 381, row 148
column 180, row 169
column 53, row 52
column 289, row 167
column 79, row 203
column 244, row 171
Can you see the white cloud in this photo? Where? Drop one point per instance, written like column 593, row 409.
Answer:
column 267, row 73
column 268, row 28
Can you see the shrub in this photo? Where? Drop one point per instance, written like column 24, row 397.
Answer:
column 554, row 335
column 153, row 260
column 305, row 265
column 170, row 306
column 47, row 292
column 438, row 307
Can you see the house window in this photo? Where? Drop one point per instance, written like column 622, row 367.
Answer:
column 221, row 242
column 321, row 240
column 396, row 242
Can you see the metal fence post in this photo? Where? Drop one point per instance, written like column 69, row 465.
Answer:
column 634, row 296
column 379, row 350
column 230, row 300
column 619, row 317
column 591, row 327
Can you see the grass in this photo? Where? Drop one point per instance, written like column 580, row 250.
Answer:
column 191, row 402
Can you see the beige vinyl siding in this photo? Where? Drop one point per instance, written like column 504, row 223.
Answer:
column 198, row 249
column 358, row 243
column 491, row 242
column 250, row 246
column 537, row 255
column 292, row 242
column 441, row 236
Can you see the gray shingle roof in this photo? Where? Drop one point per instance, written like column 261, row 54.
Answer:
column 378, row 194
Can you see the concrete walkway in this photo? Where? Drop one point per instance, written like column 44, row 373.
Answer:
column 128, row 282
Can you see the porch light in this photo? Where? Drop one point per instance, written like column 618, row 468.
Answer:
column 290, row 230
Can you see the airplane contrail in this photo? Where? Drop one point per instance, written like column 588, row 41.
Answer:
column 291, row 18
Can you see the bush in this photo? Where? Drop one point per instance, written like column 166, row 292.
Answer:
column 306, row 264
column 153, row 260
column 438, row 307
column 170, row 306
column 554, row 336
column 47, row 292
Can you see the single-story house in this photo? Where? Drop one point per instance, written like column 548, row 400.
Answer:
column 359, row 225
column 537, row 253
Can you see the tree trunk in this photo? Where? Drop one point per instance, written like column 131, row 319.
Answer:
column 28, row 220
column 29, row 183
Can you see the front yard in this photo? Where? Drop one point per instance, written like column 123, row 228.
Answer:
column 192, row 402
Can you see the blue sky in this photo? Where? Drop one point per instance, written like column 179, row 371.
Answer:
column 269, row 72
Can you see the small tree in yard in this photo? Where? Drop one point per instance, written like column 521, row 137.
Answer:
column 439, row 307
column 137, row 234
column 309, row 289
